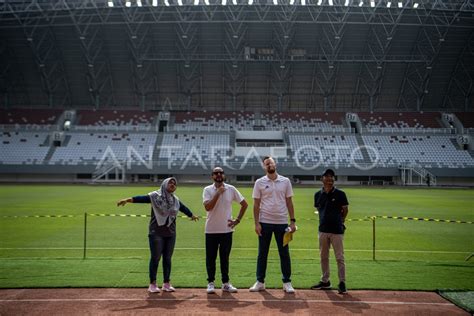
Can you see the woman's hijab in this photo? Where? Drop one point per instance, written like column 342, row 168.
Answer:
column 165, row 204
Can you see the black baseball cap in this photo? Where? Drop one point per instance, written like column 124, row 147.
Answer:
column 329, row 172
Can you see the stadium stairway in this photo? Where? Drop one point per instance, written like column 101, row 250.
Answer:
column 232, row 139
column 363, row 149
column 289, row 151
column 52, row 148
column 156, row 148
column 456, row 144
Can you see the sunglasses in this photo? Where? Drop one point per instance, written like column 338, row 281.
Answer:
column 218, row 172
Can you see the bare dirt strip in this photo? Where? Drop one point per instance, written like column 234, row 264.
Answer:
column 102, row 301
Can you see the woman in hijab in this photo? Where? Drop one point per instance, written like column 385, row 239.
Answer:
column 162, row 229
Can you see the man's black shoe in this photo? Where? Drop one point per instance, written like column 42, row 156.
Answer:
column 322, row 286
column 342, row 288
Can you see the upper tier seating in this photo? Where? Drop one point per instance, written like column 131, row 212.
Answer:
column 393, row 120
column 228, row 121
column 466, row 118
column 115, row 118
column 29, row 117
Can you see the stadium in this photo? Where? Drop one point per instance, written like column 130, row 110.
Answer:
column 102, row 99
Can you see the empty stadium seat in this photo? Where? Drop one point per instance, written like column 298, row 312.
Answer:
column 178, row 147
column 29, row 116
column 90, row 148
column 229, row 121
column 19, row 147
column 118, row 118
column 427, row 151
column 400, row 120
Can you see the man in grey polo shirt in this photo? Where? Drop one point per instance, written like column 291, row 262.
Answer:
column 273, row 203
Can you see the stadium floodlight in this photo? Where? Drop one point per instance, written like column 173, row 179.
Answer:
column 372, row 3
column 110, row 4
column 389, row 4
column 415, row 5
column 234, row 2
column 331, row 2
column 180, row 2
column 275, row 2
column 154, row 3
column 292, row 2
column 128, row 4
column 167, row 3
column 139, row 3
column 361, row 3
column 400, row 4
column 320, row 1
column 206, row 2
column 250, row 2
column 346, row 3
column 224, row 2
column 303, row 2
column 196, row 2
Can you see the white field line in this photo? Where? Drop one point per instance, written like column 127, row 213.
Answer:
column 52, row 300
column 233, row 248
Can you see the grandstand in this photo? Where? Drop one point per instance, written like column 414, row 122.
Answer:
column 141, row 90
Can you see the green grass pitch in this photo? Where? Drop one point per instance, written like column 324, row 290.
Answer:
column 410, row 255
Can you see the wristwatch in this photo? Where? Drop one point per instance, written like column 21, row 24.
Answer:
column 292, row 220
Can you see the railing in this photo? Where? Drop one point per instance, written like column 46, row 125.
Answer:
column 114, row 128
column 28, row 127
column 407, row 130
column 288, row 129
column 79, row 128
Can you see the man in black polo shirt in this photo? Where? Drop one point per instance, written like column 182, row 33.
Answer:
column 332, row 206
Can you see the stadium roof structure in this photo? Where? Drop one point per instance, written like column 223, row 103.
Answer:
column 283, row 55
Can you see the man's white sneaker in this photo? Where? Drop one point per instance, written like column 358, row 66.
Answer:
column 153, row 288
column 211, row 288
column 288, row 288
column 227, row 287
column 258, row 286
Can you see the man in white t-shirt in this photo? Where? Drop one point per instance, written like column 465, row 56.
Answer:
column 217, row 199
column 272, row 195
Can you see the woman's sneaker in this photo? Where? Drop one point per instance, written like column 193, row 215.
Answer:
column 167, row 287
column 227, row 287
column 153, row 288
column 211, row 288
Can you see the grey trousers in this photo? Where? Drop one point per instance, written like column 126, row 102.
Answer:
column 325, row 242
